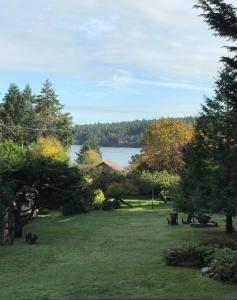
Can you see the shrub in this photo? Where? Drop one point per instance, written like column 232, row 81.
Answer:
column 219, row 244
column 159, row 181
column 11, row 155
column 108, row 204
column 189, row 255
column 120, row 190
column 75, row 204
column 43, row 211
column 217, row 256
column 69, row 208
column 224, row 265
column 48, row 147
column 98, row 199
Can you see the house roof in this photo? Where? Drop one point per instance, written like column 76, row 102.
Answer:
column 107, row 163
column 86, row 166
column 111, row 165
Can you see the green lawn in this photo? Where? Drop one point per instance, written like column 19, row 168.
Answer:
column 106, row 254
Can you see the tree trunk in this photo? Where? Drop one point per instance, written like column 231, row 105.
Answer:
column 18, row 230
column 126, row 203
column 152, row 196
column 229, row 223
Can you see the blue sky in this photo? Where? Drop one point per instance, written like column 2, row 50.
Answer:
column 111, row 60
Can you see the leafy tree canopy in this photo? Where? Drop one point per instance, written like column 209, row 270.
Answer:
column 49, row 147
column 163, row 144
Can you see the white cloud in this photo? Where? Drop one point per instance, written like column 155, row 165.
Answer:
column 121, row 82
column 83, row 38
column 182, row 108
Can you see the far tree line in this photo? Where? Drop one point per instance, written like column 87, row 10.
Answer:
column 116, row 134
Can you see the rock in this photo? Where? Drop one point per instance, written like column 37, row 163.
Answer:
column 205, row 270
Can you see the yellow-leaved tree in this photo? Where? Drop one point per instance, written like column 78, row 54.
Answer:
column 91, row 157
column 163, row 143
column 49, row 147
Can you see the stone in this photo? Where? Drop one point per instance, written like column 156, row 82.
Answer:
column 205, row 270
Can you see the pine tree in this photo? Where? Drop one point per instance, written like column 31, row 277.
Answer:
column 12, row 113
column 211, row 160
column 29, row 122
column 17, row 115
column 47, row 108
column 50, row 119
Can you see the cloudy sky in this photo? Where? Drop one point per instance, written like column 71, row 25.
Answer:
column 111, row 60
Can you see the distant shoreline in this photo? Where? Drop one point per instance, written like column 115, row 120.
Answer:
column 116, row 146
column 119, row 155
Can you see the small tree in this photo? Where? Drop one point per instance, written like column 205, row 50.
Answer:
column 161, row 182
column 89, row 154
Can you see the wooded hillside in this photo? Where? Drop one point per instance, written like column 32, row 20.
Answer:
column 120, row 134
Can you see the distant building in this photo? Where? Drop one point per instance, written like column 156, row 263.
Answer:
column 103, row 166
column 108, row 165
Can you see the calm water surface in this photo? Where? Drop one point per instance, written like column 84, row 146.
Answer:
column 120, row 156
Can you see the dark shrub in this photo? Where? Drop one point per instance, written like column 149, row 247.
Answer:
column 69, row 208
column 189, row 255
column 108, row 204
column 219, row 244
column 224, row 265
column 43, row 211
column 75, row 205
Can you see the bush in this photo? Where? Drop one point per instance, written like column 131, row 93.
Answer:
column 44, row 211
column 189, row 255
column 219, row 244
column 109, row 204
column 98, row 199
column 69, row 208
column 49, row 147
column 121, row 190
column 224, row 265
column 160, row 181
column 217, row 256
column 75, row 204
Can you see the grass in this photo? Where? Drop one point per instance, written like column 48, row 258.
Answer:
column 106, row 254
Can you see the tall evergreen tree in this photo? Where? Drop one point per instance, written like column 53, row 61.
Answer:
column 51, row 121
column 29, row 121
column 211, row 160
column 47, row 108
column 17, row 115
column 12, row 114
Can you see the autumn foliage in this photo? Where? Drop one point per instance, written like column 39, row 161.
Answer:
column 163, row 143
column 49, row 147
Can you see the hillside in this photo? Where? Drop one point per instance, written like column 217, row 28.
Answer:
column 119, row 134
column 122, row 134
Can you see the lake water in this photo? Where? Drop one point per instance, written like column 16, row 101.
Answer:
column 120, row 156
